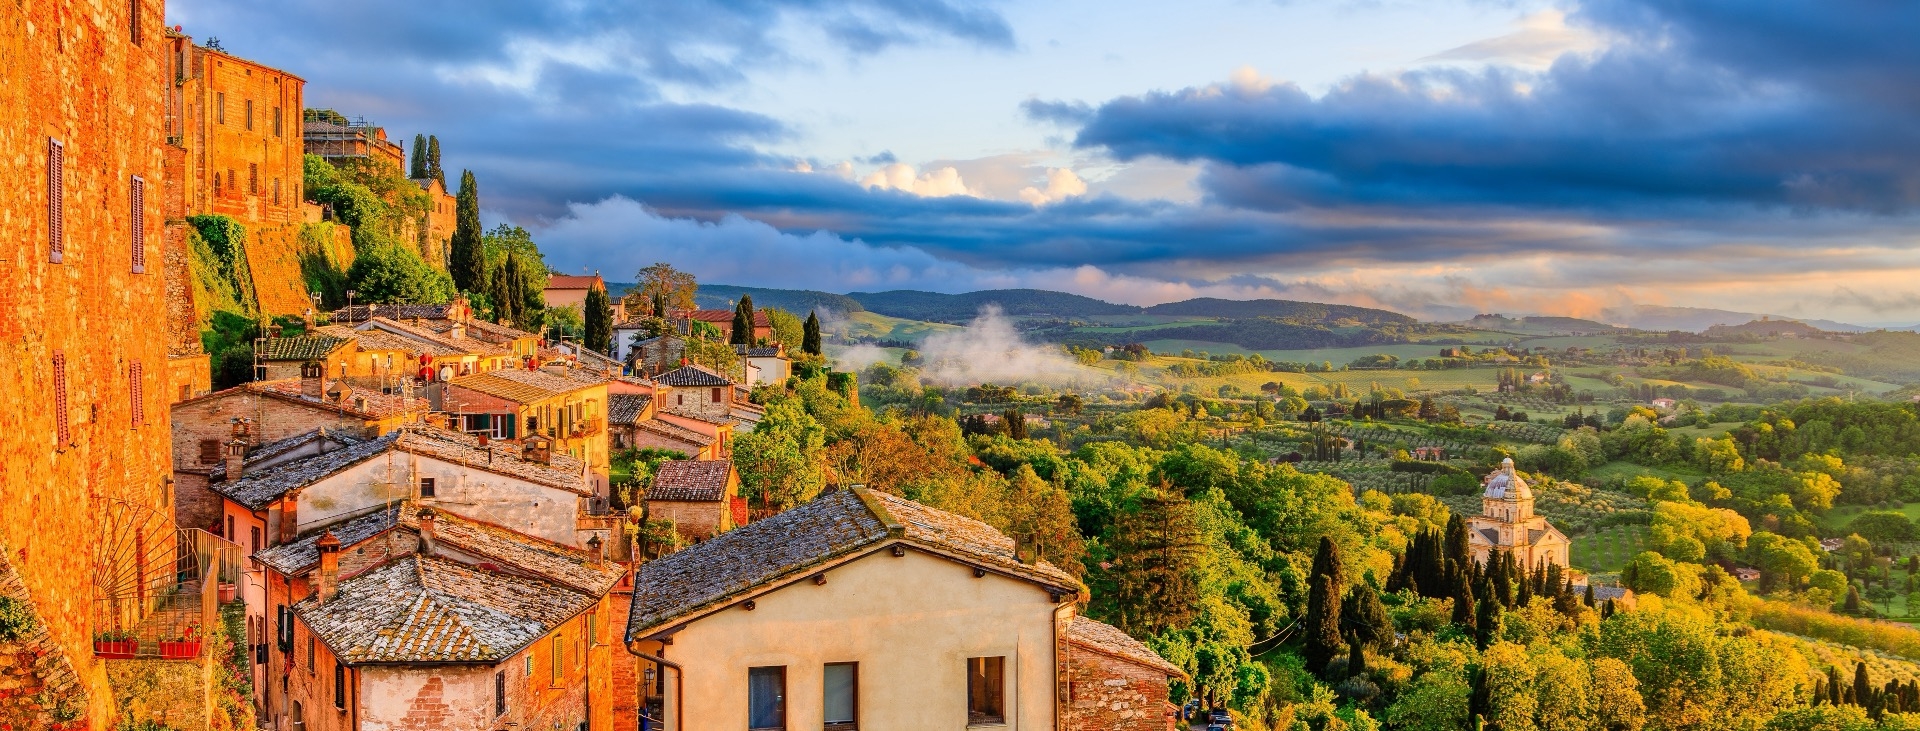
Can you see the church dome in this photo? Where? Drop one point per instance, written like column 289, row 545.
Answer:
column 1503, row 484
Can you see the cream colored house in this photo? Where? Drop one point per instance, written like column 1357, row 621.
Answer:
column 1507, row 523
column 856, row 610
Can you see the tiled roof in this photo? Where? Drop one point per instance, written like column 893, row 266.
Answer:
column 696, row 416
column 372, row 338
column 264, row 452
column 690, row 481
column 626, row 408
column 527, row 386
column 488, row 331
column 1109, row 640
column 256, row 491
column 570, row 281
column 369, row 404
column 548, row 560
column 692, row 375
column 464, row 344
column 758, row 352
column 726, row 316
column 425, row 609
column 300, row 347
column 293, row 559
column 678, row 433
column 837, row 524
column 358, row 313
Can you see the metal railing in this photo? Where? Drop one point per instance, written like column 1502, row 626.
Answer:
column 164, row 603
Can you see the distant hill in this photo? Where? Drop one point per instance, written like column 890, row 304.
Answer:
column 1538, row 324
column 1698, row 319
column 797, row 301
column 1765, row 328
column 961, row 308
column 1282, row 309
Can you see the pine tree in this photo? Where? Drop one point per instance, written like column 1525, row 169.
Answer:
column 419, row 161
column 1157, row 555
column 598, row 320
column 1323, row 606
column 810, row 335
column 469, row 263
column 433, row 162
column 742, row 321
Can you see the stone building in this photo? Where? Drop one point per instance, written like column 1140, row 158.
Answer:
column 1508, row 524
column 648, row 356
column 695, row 391
column 83, row 373
column 441, row 218
column 701, row 497
column 564, row 404
column 861, row 609
column 338, row 139
column 1115, row 683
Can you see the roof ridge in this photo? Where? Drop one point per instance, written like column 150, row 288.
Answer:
column 875, row 505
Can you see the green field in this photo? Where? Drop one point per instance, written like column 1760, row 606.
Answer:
column 868, row 324
column 1608, row 549
column 1625, row 470
column 1837, row 519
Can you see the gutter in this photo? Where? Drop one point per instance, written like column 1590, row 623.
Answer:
column 679, row 687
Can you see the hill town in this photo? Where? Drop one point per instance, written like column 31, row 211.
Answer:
column 296, row 443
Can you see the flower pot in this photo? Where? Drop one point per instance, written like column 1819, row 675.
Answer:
column 116, row 649
column 181, row 650
column 227, row 592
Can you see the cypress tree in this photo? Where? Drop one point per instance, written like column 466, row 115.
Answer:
column 810, row 335
column 598, row 320
column 1016, row 423
column 1852, row 605
column 1589, row 597
column 1862, row 691
column 1463, row 608
column 1486, row 622
column 469, row 263
column 1323, row 606
column 419, row 161
column 742, row 321
column 1365, row 623
column 1503, row 579
column 433, row 162
column 498, row 290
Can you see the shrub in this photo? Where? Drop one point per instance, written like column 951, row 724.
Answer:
column 16, row 619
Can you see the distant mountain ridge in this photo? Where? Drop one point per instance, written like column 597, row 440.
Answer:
column 1285, row 309
column 1698, row 319
column 961, row 308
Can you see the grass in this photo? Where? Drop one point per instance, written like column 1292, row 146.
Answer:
column 1627, row 470
column 882, row 327
column 1609, row 549
column 1837, row 519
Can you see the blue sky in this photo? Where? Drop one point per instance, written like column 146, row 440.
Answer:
column 1432, row 157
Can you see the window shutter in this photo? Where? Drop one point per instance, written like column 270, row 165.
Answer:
column 139, row 228
column 56, row 201
column 136, row 390
column 339, row 685
column 499, row 692
column 63, row 431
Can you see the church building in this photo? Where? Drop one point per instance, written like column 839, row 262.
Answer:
column 1507, row 523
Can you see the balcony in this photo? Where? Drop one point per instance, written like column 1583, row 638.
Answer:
column 157, row 590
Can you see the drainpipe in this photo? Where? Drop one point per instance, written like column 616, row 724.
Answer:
column 679, row 687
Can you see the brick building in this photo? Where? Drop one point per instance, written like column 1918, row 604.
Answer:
column 83, row 349
column 441, row 218
column 1115, row 683
column 698, row 496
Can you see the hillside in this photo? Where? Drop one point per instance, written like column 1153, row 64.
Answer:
column 1697, row 319
column 959, row 308
column 1536, row 324
column 1280, row 309
column 1765, row 328
column 797, row 301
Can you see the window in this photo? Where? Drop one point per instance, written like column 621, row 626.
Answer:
column 249, row 114
column 137, row 227
column 985, row 690
column 286, row 633
column 767, row 698
column 216, row 184
column 559, row 653
column 339, row 686
column 840, row 696
column 529, row 664
column 254, row 537
column 310, row 654
column 276, row 121
column 253, row 176
column 229, row 535
column 56, row 200
column 716, row 395
column 233, row 183
column 137, row 393
column 426, row 487
column 63, row 430
column 500, row 693
column 276, row 191
column 220, row 107
column 209, row 451
column 133, row 21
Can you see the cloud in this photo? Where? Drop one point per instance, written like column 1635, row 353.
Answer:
column 1061, row 184
column 990, row 350
column 900, row 176
column 1541, row 39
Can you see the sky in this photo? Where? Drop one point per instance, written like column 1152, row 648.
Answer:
column 1438, row 158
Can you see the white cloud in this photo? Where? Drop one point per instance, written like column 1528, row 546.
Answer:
column 1061, row 183
column 1539, row 39
column 932, row 184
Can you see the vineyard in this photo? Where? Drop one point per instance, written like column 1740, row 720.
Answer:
column 1609, row 549
column 1527, row 431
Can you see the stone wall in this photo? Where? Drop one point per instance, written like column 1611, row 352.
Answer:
column 1110, row 694
column 76, row 74
column 695, row 521
column 38, row 687
column 273, row 419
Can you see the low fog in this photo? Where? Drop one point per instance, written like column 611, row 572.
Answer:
column 990, row 350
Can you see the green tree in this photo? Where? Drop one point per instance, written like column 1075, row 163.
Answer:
column 395, row 274
column 1363, row 620
column 433, row 161
column 599, row 321
column 1156, row 554
column 742, row 321
column 667, row 289
column 1322, row 622
column 780, row 460
column 468, row 264
column 418, row 171
column 787, row 328
column 810, row 338
column 564, row 322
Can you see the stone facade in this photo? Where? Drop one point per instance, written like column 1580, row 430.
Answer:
column 695, row 521
column 441, row 217
column 83, row 346
column 1507, row 524
column 713, row 402
column 1106, row 693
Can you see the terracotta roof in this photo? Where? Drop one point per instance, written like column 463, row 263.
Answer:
column 358, row 313
column 376, row 339
column 696, row 416
column 1109, row 640
column 547, row 560
column 527, row 386
column 257, row 490
column 726, row 316
column 837, row 524
column 265, row 452
column 295, row 558
column 491, row 332
column 759, row 352
column 626, row 408
column 363, row 402
column 689, row 480
column 461, row 344
column 692, row 375
column 677, row 433
column 426, row 609
column 570, row 281
column 301, row 347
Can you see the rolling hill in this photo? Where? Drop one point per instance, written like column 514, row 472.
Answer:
column 961, row 308
column 1280, row 309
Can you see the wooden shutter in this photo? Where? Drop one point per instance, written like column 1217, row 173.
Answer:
column 56, row 201
column 138, row 202
column 137, row 390
column 62, row 429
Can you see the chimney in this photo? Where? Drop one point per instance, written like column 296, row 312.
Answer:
column 558, row 369
column 483, row 440
column 596, row 551
column 237, row 451
column 312, row 380
column 338, row 393
column 1025, row 548
column 290, row 517
column 428, row 530
column 329, row 578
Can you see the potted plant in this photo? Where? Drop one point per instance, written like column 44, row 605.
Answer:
column 227, row 592
column 116, row 644
column 185, row 647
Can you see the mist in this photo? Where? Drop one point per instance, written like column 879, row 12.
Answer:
column 990, row 350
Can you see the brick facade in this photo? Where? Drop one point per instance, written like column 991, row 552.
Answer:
column 88, row 80
column 695, row 521
column 709, row 401
column 1107, row 693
